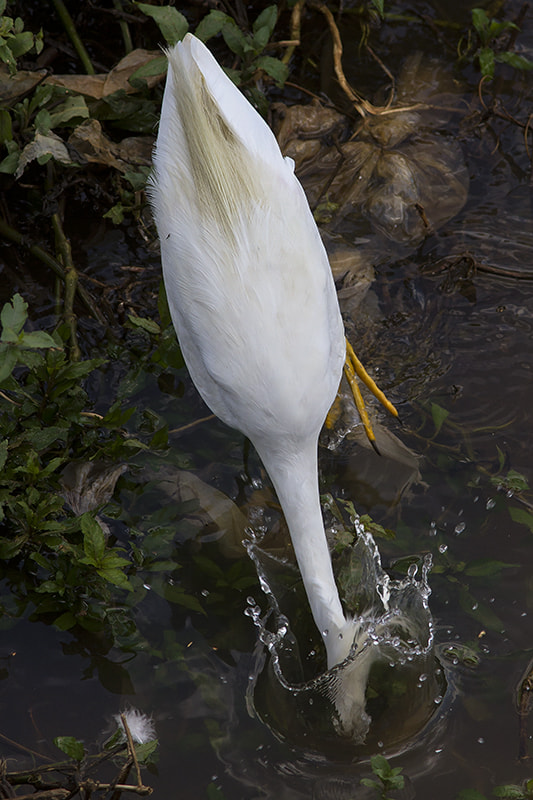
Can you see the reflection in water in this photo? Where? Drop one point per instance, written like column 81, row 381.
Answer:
column 388, row 687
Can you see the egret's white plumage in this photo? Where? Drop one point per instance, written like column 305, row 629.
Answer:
column 252, row 298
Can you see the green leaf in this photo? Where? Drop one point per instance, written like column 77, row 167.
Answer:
column 480, row 21
column 9, row 548
column 116, row 577
column 470, row 794
column 274, row 67
column 6, row 132
column 510, row 791
column 439, row 415
column 116, row 214
column 71, row 746
column 496, row 27
column 513, row 481
column 264, row 25
column 13, row 316
column 159, row 440
column 481, row 612
column 175, row 594
column 21, row 43
column 65, row 621
column 485, row 567
column 8, row 359
column 39, row 339
column 211, row 25
column 486, row 62
column 146, row 324
column 145, row 752
column 236, row 40
column 73, row 108
column 170, row 22
column 370, row 784
column 522, row 516
column 42, row 438
column 380, row 766
column 9, row 164
column 94, row 542
column 157, row 66
column 380, row 6
column 514, row 60
column 3, row 453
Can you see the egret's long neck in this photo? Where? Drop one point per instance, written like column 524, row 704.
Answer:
column 295, row 479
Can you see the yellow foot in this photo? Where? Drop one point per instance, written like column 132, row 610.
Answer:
column 353, row 369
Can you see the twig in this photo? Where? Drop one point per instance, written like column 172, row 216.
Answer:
column 15, row 236
column 124, row 28
column 178, row 431
column 70, row 28
column 296, row 19
column 385, row 69
column 24, row 749
column 518, row 22
column 360, row 104
column 71, row 282
column 131, row 748
column 95, row 786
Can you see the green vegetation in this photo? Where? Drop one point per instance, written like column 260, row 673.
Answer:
column 487, row 46
column 388, row 778
column 77, row 559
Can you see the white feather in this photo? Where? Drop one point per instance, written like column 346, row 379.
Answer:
column 252, row 297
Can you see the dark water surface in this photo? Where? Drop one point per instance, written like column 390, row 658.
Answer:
column 446, row 334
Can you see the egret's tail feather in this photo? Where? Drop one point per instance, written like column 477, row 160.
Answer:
column 224, row 138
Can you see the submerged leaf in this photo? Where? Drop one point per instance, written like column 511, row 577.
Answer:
column 439, row 415
column 522, row 516
column 71, row 746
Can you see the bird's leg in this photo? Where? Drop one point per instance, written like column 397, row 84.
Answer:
column 353, row 369
column 367, row 380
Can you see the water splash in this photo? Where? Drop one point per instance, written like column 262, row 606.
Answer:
column 386, row 689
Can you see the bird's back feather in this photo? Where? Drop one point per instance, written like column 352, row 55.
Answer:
column 253, row 298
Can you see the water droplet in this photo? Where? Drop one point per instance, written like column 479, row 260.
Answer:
column 475, row 606
column 413, row 569
column 460, row 527
column 325, row 633
column 250, row 600
column 311, row 701
column 422, row 677
column 437, row 699
column 510, row 493
column 432, row 528
column 380, row 744
column 490, row 504
column 205, row 592
column 481, row 740
column 147, row 586
column 443, row 548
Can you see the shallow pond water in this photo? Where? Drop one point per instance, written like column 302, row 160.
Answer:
column 450, row 336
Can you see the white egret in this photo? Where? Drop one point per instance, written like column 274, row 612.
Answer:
column 253, row 302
